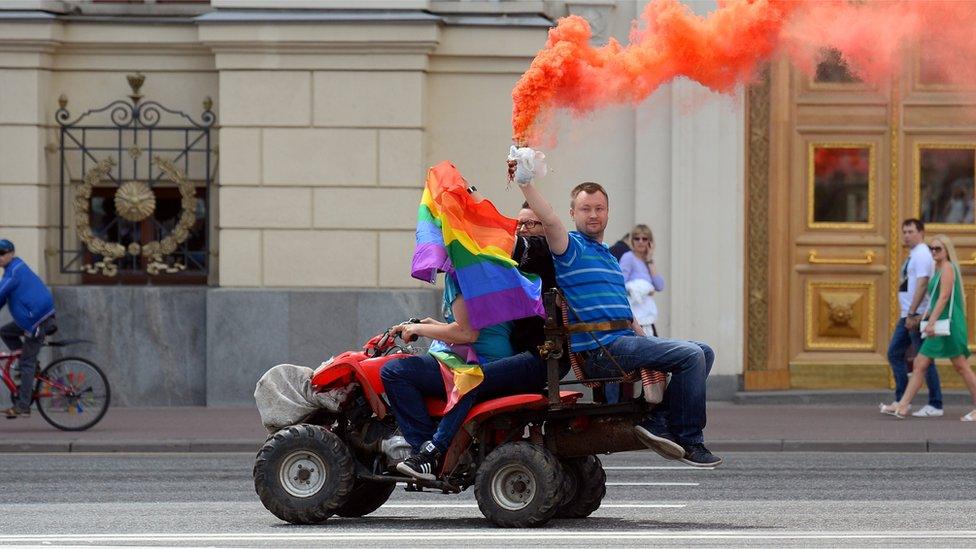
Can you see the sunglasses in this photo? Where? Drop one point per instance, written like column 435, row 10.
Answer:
column 641, row 238
column 936, row 248
column 4, row 252
column 529, row 224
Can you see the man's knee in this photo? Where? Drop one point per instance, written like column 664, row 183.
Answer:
column 693, row 355
column 895, row 353
column 391, row 371
column 708, row 352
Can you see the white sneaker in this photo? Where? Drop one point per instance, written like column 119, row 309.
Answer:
column 928, row 411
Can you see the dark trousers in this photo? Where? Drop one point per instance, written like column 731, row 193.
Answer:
column 15, row 338
column 408, row 380
column 901, row 338
column 688, row 362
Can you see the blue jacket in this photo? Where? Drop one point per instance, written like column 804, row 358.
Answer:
column 30, row 300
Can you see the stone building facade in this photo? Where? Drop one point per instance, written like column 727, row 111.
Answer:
column 327, row 114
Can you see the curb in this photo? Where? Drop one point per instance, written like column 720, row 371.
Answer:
column 130, row 446
column 251, row 446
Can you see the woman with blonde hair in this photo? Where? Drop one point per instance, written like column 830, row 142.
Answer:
column 642, row 281
column 948, row 304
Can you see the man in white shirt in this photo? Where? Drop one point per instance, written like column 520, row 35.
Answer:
column 913, row 300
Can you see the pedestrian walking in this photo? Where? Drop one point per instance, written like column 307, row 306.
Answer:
column 944, row 328
column 913, row 301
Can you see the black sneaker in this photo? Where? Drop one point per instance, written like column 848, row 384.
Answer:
column 659, row 439
column 699, row 456
column 422, row 465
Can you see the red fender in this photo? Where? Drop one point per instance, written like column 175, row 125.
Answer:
column 484, row 410
column 341, row 370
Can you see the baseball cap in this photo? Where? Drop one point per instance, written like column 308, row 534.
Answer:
column 6, row 246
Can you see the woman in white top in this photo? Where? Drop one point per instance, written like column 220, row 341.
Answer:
column 640, row 275
column 642, row 280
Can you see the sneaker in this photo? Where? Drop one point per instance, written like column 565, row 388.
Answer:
column 422, row 465
column 699, row 456
column 659, row 439
column 14, row 412
column 929, row 411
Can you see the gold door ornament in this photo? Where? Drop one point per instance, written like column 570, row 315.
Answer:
column 840, row 316
column 134, row 201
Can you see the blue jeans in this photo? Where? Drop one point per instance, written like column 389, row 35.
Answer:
column 689, row 362
column 408, row 380
column 901, row 338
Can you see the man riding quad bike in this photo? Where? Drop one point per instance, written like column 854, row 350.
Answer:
column 530, row 457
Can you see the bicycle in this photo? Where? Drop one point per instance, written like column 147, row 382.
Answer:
column 72, row 393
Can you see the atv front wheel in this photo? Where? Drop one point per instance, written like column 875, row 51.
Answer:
column 303, row 474
column 586, row 484
column 366, row 497
column 519, row 485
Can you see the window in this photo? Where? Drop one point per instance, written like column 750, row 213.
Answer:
column 832, row 69
column 841, row 184
column 945, row 175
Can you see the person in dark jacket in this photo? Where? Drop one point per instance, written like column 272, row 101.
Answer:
column 32, row 307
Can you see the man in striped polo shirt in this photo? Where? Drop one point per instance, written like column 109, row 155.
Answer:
column 593, row 284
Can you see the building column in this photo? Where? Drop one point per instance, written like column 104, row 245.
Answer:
column 26, row 44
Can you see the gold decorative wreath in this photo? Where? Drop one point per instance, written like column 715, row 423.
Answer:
column 135, row 203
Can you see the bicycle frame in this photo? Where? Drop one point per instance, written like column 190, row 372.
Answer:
column 6, row 363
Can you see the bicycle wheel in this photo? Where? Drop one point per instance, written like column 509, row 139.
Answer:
column 72, row 394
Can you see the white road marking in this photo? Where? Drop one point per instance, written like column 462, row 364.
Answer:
column 475, row 506
column 494, row 535
column 656, row 468
column 652, row 484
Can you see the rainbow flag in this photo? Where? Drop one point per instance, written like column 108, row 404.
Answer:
column 472, row 242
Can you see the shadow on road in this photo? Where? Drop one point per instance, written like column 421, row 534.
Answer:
column 380, row 523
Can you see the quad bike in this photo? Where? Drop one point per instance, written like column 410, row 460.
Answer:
column 530, row 457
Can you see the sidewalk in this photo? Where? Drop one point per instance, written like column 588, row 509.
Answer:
column 731, row 427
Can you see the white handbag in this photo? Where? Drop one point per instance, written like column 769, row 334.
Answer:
column 941, row 326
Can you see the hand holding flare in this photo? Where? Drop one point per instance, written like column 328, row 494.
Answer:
column 528, row 164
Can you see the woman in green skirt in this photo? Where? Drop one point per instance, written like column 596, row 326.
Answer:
column 948, row 303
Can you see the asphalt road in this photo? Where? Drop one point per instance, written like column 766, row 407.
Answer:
column 775, row 500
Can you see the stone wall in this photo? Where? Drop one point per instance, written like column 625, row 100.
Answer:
column 172, row 346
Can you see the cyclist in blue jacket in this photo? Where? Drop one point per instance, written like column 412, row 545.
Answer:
column 32, row 306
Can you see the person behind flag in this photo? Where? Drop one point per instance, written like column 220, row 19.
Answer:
column 593, row 285
column 472, row 357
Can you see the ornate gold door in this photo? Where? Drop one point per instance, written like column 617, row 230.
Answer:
column 844, row 164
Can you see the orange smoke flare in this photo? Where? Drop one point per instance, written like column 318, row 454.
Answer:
column 726, row 49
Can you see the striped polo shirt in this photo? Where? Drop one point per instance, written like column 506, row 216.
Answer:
column 590, row 278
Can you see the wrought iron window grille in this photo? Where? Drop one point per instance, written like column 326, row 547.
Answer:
column 121, row 168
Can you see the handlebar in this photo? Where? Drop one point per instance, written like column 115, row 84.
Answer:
column 384, row 342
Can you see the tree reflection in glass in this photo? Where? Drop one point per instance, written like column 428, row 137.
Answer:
column 946, row 181
column 841, row 188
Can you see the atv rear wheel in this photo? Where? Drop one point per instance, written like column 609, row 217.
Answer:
column 366, row 497
column 586, row 484
column 519, row 485
column 303, row 474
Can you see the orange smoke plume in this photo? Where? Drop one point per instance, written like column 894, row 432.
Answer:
column 727, row 47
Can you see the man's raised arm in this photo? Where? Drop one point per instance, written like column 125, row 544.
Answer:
column 524, row 172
